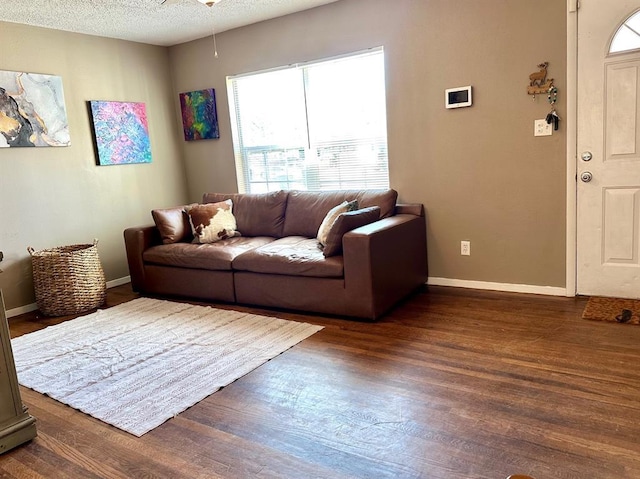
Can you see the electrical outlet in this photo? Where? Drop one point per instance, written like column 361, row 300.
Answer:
column 542, row 128
column 465, row 248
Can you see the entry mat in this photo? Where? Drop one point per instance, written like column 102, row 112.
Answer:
column 613, row 309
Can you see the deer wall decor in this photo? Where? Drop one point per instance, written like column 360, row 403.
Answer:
column 539, row 77
column 538, row 81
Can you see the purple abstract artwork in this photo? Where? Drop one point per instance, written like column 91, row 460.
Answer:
column 199, row 115
column 121, row 132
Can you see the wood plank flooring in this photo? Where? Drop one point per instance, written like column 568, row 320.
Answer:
column 455, row 384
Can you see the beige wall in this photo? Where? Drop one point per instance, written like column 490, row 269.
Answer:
column 479, row 171
column 57, row 196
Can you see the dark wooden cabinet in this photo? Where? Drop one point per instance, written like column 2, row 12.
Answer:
column 16, row 425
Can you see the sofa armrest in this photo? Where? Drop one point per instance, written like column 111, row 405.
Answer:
column 386, row 260
column 410, row 209
column 136, row 241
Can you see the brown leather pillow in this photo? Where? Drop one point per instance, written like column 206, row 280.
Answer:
column 346, row 222
column 173, row 224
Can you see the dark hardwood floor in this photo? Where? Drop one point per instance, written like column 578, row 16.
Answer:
column 454, row 384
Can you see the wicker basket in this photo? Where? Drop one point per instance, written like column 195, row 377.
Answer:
column 68, row 279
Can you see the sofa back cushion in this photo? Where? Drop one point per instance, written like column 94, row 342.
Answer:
column 256, row 214
column 307, row 209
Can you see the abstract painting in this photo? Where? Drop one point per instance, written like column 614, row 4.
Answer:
column 121, row 132
column 199, row 115
column 32, row 110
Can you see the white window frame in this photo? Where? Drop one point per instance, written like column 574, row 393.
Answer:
column 365, row 165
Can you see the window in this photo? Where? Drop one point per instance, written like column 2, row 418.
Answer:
column 317, row 126
column 628, row 35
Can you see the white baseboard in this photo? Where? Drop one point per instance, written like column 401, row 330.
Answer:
column 21, row 310
column 118, row 282
column 32, row 307
column 507, row 287
column 456, row 283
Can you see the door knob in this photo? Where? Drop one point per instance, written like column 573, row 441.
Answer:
column 586, row 176
column 586, row 156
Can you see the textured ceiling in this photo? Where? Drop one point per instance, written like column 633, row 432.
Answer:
column 148, row 21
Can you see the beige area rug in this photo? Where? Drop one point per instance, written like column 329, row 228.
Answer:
column 613, row 309
column 140, row 363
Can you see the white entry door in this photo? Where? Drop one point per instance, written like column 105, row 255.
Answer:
column 608, row 146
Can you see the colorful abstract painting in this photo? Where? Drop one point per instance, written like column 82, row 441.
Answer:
column 32, row 110
column 199, row 115
column 121, row 132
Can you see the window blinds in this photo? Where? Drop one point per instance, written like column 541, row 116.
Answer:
column 317, row 126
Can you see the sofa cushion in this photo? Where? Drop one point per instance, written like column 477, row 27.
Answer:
column 344, row 223
column 256, row 214
column 307, row 209
column 173, row 224
column 212, row 222
column 212, row 256
column 292, row 255
column 331, row 217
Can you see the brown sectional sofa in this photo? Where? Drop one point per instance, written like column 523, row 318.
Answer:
column 277, row 262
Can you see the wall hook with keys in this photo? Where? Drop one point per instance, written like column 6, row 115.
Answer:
column 553, row 117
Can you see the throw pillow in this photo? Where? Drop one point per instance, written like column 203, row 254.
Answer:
column 346, row 222
column 331, row 216
column 173, row 224
column 212, row 222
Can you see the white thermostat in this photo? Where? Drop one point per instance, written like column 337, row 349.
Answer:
column 458, row 97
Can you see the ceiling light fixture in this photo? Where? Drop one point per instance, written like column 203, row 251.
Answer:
column 209, row 3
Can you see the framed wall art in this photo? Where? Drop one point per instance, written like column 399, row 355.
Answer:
column 121, row 132
column 32, row 110
column 199, row 115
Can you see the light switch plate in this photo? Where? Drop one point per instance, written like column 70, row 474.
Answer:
column 542, row 128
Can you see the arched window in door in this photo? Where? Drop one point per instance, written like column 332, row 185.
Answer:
column 627, row 37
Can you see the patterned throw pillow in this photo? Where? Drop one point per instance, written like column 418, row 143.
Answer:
column 212, row 222
column 331, row 216
column 346, row 222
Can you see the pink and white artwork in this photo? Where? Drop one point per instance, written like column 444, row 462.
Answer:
column 121, row 132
